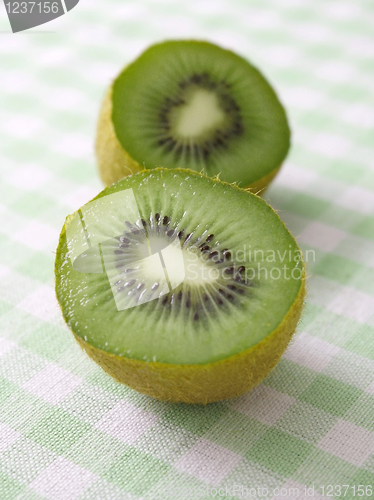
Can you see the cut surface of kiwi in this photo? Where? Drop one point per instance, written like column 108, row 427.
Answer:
column 183, row 287
column 191, row 104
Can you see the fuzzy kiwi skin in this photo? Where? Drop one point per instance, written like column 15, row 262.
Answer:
column 200, row 383
column 114, row 162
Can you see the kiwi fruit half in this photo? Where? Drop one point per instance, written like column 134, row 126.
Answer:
column 192, row 104
column 181, row 286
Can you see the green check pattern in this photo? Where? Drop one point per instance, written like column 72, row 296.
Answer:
column 67, row 430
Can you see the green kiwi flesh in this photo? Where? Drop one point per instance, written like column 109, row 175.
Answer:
column 191, row 104
column 243, row 270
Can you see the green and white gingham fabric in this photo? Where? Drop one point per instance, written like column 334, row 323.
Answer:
column 67, row 430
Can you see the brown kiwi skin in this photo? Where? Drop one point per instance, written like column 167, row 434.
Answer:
column 199, row 383
column 114, row 162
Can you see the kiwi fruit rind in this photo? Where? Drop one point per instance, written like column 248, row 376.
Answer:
column 190, row 293
column 192, row 104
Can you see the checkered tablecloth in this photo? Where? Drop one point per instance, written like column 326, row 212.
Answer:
column 67, row 430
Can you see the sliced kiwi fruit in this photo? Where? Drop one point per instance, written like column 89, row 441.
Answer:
column 184, row 287
column 192, row 104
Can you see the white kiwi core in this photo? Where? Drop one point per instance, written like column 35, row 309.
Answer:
column 201, row 114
